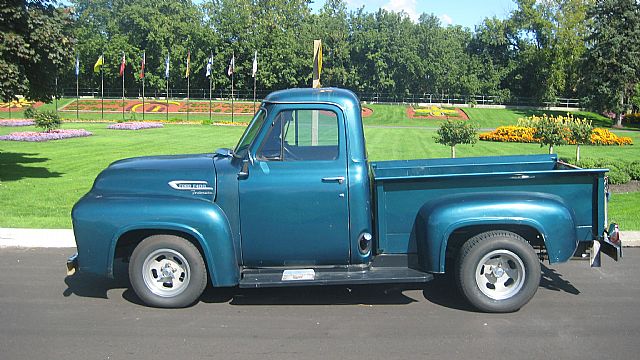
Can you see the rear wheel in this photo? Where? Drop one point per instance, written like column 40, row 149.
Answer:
column 498, row 271
column 167, row 271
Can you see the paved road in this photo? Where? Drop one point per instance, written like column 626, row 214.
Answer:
column 578, row 313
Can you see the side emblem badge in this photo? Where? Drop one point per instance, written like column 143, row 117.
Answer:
column 190, row 185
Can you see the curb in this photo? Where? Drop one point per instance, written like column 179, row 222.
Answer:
column 63, row 238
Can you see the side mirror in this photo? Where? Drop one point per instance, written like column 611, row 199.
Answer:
column 244, row 172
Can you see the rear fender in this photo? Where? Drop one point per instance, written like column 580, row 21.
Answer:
column 548, row 215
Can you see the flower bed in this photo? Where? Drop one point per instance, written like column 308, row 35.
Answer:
column 21, row 122
column 34, row 136
column 519, row 134
column 523, row 134
column 436, row 112
column 135, row 125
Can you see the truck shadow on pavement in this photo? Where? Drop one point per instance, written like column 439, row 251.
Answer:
column 441, row 291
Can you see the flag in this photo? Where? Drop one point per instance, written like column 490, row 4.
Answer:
column 232, row 65
column 166, row 69
column 123, row 64
column 254, row 71
column 186, row 74
column 77, row 65
column 98, row 66
column 209, row 63
column 144, row 60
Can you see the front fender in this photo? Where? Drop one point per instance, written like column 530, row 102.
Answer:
column 99, row 221
column 548, row 215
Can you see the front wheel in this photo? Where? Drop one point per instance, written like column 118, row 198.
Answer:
column 498, row 271
column 167, row 271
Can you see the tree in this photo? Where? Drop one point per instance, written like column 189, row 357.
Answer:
column 580, row 130
column 35, row 43
column 612, row 63
column 453, row 132
column 549, row 130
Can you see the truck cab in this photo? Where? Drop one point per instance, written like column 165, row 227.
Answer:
column 297, row 202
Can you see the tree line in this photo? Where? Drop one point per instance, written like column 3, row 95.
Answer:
column 586, row 49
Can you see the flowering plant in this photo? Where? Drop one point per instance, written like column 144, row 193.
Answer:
column 23, row 122
column 135, row 125
column 34, row 136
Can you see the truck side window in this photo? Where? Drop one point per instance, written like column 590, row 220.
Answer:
column 301, row 135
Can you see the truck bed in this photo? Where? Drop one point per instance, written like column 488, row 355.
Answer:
column 402, row 188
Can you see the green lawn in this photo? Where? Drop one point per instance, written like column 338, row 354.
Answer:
column 39, row 182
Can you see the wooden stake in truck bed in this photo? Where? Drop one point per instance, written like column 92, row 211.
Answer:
column 297, row 202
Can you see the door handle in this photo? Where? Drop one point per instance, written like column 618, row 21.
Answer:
column 338, row 179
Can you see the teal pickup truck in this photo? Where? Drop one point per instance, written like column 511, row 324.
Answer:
column 297, row 202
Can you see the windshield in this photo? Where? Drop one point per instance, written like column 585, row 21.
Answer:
column 250, row 133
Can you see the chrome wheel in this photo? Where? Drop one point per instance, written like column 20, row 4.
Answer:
column 500, row 274
column 166, row 272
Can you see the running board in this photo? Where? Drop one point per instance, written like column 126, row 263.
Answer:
column 255, row 278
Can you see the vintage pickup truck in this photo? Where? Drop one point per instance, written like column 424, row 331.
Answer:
column 297, row 202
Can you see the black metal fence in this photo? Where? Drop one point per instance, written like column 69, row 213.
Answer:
column 381, row 98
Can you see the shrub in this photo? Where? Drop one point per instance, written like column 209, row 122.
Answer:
column 619, row 171
column 456, row 132
column 634, row 170
column 206, row 122
column 30, row 112
column 47, row 120
column 633, row 118
column 618, row 177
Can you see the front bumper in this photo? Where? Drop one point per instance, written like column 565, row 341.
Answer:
column 72, row 264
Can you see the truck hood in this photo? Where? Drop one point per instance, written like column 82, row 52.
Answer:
column 175, row 175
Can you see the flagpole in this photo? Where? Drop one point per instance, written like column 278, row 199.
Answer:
column 77, row 96
column 56, row 95
column 123, row 96
column 233, row 70
column 210, row 77
column 102, row 92
column 167, row 99
column 142, row 98
column 254, row 94
column 188, row 98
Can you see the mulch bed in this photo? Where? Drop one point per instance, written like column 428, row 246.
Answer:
column 632, row 186
column 15, row 108
column 411, row 113
column 159, row 106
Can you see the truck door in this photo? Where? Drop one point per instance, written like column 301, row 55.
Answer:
column 294, row 200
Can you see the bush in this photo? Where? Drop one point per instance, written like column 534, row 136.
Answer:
column 619, row 171
column 634, row 170
column 633, row 118
column 47, row 120
column 30, row 113
column 618, row 177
